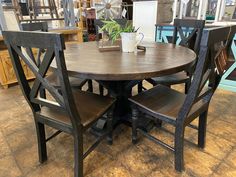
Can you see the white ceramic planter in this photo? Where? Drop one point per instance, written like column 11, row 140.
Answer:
column 129, row 41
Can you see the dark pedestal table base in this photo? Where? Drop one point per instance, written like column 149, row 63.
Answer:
column 121, row 90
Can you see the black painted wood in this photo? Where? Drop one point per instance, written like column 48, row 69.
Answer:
column 191, row 41
column 37, row 26
column 69, row 110
column 178, row 109
column 75, row 82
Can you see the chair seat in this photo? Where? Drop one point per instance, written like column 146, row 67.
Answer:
column 176, row 78
column 163, row 101
column 90, row 107
column 75, row 82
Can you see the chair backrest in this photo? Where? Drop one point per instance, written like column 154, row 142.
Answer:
column 37, row 26
column 188, row 39
column 54, row 46
column 210, row 67
column 98, row 23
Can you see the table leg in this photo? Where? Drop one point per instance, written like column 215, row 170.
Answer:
column 121, row 90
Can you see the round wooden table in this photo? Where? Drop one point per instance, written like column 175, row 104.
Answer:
column 84, row 60
column 119, row 72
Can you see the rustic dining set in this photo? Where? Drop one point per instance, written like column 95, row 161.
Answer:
column 58, row 99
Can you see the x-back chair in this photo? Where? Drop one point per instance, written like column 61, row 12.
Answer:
column 192, row 41
column 75, row 82
column 69, row 110
column 178, row 109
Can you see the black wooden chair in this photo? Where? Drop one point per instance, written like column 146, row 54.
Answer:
column 178, row 109
column 192, row 41
column 37, row 26
column 75, row 82
column 69, row 110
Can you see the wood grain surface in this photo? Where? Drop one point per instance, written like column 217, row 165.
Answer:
column 85, row 60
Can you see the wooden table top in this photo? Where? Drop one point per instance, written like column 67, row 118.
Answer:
column 84, row 60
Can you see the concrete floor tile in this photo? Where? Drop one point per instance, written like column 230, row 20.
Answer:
column 199, row 163
column 27, row 159
column 19, row 156
column 21, row 139
column 225, row 171
column 9, row 168
column 50, row 169
column 112, row 169
column 16, row 123
column 231, row 158
column 4, row 148
column 216, row 146
column 223, row 129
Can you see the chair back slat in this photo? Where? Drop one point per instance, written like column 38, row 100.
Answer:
column 211, row 58
column 204, row 80
column 37, row 26
column 191, row 40
column 40, row 41
column 53, row 44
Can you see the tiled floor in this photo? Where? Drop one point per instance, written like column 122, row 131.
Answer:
column 18, row 146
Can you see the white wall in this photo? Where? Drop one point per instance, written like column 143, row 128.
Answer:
column 145, row 17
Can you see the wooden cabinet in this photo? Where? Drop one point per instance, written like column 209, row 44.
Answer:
column 70, row 34
column 7, row 74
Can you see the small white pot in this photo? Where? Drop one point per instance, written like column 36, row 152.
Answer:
column 129, row 41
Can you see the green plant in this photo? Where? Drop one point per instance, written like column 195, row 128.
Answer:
column 114, row 29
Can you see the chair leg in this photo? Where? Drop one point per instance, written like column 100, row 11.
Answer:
column 187, row 85
column 134, row 125
column 158, row 122
column 78, row 156
column 42, row 93
column 101, row 89
column 90, row 85
column 42, row 148
column 110, row 127
column 202, row 129
column 140, row 86
column 179, row 148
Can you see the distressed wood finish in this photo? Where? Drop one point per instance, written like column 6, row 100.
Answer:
column 67, row 110
column 84, row 60
column 178, row 109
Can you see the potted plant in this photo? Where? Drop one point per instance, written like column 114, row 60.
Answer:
column 127, row 33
